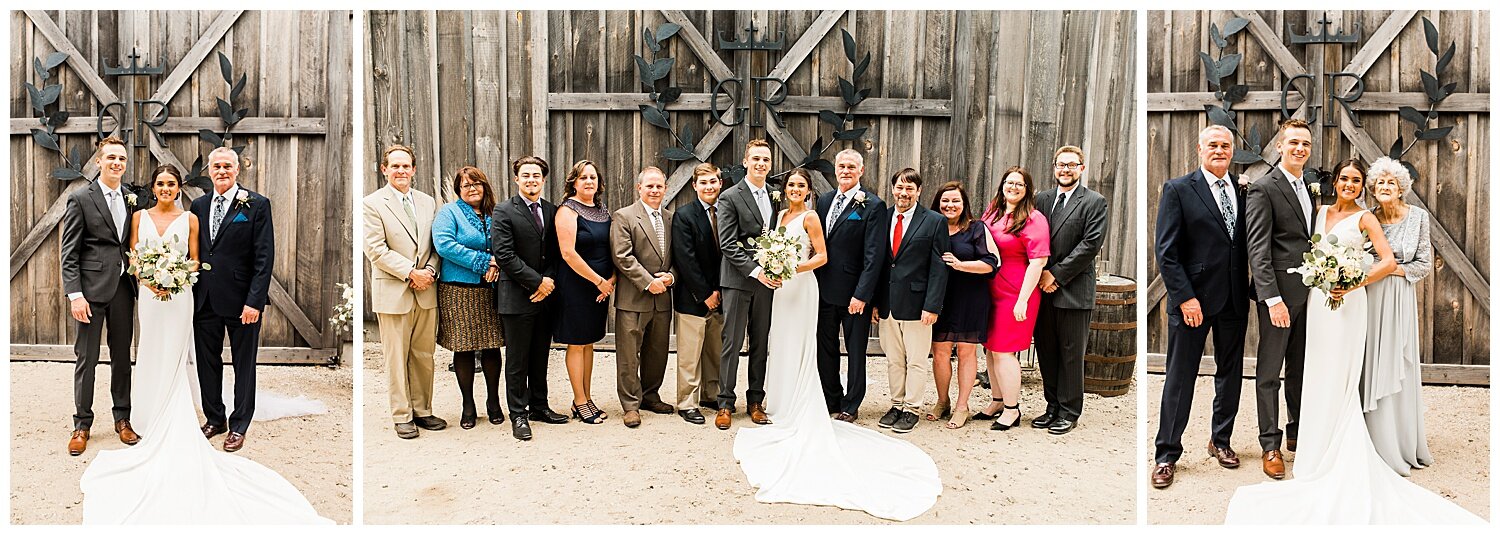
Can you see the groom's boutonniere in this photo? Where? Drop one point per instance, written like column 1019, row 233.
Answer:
column 243, row 199
column 775, row 196
column 130, row 198
column 1315, row 189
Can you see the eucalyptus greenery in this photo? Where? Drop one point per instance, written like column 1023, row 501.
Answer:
column 43, row 99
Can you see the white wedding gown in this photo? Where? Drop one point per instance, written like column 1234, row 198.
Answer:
column 174, row 475
column 806, row 457
column 1338, row 478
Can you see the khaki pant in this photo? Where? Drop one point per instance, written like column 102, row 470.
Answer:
column 699, row 342
column 907, row 345
column 408, row 341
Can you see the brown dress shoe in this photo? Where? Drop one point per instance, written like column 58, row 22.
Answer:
column 78, row 442
column 721, row 420
column 234, row 442
column 758, row 414
column 1272, row 463
column 127, row 435
column 210, row 429
column 1226, row 456
column 632, row 419
column 658, row 407
column 1161, row 477
column 845, row 417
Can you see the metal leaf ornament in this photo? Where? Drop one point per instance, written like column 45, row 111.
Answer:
column 1436, row 91
column 1217, row 71
column 45, row 105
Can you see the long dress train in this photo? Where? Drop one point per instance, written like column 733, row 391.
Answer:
column 808, row 458
column 1338, row 478
column 174, row 475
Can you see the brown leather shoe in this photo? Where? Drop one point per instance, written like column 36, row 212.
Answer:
column 1162, row 476
column 632, row 419
column 210, row 429
column 1273, row 465
column 658, row 407
column 721, row 420
column 758, row 414
column 846, row 417
column 1226, row 456
column 78, row 442
column 127, row 435
column 234, row 442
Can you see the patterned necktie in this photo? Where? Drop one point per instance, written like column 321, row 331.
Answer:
column 896, row 239
column 713, row 221
column 661, row 238
column 1226, row 208
column 218, row 217
column 838, row 208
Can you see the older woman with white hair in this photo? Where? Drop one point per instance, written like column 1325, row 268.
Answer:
column 1391, row 388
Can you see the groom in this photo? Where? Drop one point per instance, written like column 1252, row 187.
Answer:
column 95, row 227
column 746, row 209
column 239, row 246
column 1279, row 212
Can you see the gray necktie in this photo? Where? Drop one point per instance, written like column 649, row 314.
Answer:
column 762, row 204
column 1226, row 208
column 838, row 209
column 1303, row 199
column 661, row 238
column 117, row 212
column 218, row 217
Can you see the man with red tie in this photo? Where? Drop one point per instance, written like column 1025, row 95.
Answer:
column 910, row 296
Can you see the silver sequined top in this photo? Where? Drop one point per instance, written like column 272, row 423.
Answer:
column 1411, row 242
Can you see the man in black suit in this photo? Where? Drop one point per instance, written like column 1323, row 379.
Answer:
column 1200, row 251
column 745, row 210
column 1077, row 217
column 700, row 320
column 1279, row 212
column 525, row 248
column 95, row 227
column 910, row 297
column 240, row 245
column 846, row 284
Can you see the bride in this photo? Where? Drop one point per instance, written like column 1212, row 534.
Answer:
column 1338, row 476
column 174, row 476
column 805, row 457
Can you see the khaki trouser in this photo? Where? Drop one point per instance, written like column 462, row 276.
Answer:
column 408, row 341
column 699, row 342
column 907, row 345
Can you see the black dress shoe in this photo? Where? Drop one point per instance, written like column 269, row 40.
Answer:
column 1044, row 421
column 430, row 423
column 547, row 416
column 1062, row 426
column 692, row 416
column 890, row 417
column 520, row 427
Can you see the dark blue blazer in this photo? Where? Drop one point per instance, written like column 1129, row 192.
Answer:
column 915, row 279
column 696, row 257
column 240, row 257
column 1194, row 253
column 854, row 249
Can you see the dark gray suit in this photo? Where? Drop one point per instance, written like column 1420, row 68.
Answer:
column 1062, row 324
column 1277, row 234
column 747, row 302
column 93, row 259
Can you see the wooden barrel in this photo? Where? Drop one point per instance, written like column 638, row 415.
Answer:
column 1109, row 360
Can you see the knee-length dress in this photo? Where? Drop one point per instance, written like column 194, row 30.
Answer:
column 966, row 307
column 1016, row 250
column 581, row 315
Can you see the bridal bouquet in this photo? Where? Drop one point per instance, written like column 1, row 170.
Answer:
column 777, row 253
column 164, row 267
column 1330, row 266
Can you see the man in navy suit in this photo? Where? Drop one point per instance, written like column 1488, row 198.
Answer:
column 698, row 298
column 1200, row 250
column 846, row 284
column 240, row 246
column 914, row 281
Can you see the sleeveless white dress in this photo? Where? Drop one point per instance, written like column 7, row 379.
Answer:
column 1337, row 476
column 174, row 475
column 808, row 458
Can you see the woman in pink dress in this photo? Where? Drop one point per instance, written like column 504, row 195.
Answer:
column 1022, row 236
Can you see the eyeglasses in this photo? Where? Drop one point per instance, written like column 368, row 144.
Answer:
column 1068, row 166
column 471, row 185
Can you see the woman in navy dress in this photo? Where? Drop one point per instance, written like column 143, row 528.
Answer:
column 586, row 284
column 966, row 307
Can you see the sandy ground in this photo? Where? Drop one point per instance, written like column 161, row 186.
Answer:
column 314, row 453
column 670, row 471
column 1458, row 430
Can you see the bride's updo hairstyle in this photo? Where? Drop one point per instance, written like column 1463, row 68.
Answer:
column 169, row 169
column 1386, row 167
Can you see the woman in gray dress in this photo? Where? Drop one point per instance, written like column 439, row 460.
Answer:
column 1391, row 387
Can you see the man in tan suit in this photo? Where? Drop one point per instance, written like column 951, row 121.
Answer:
column 641, row 237
column 398, row 243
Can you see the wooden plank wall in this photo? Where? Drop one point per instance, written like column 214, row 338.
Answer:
column 1455, row 173
column 457, row 86
column 299, row 65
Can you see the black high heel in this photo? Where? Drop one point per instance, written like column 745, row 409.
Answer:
column 1002, row 426
column 981, row 415
column 469, row 418
column 588, row 413
column 496, row 415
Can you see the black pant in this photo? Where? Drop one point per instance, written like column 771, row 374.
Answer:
column 1277, row 347
column 1184, row 353
column 244, row 346
column 528, row 338
column 117, row 314
column 856, row 327
column 1061, row 336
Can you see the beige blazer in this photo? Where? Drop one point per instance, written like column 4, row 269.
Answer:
column 394, row 249
column 637, row 257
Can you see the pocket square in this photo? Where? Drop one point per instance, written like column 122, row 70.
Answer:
column 854, row 216
column 240, row 218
